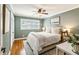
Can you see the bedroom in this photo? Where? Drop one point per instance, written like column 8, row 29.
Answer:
column 40, row 22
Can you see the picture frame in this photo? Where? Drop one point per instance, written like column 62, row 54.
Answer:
column 55, row 21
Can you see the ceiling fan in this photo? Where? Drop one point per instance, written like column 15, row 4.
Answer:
column 41, row 11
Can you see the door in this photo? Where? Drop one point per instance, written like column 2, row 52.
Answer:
column 11, row 31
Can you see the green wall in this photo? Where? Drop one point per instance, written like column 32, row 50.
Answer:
column 19, row 32
column 6, row 41
column 69, row 19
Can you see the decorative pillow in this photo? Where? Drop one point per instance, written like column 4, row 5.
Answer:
column 47, row 30
column 55, row 30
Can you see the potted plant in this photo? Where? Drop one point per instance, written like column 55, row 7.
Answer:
column 74, row 40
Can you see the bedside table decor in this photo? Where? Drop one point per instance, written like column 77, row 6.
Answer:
column 74, row 40
column 65, row 48
column 64, row 35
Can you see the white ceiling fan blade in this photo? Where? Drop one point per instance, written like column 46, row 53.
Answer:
column 45, row 13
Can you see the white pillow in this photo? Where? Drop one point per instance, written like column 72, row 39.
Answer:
column 55, row 30
column 48, row 30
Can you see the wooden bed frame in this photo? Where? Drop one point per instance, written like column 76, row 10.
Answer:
column 49, row 47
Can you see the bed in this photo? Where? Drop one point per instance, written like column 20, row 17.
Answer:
column 38, row 40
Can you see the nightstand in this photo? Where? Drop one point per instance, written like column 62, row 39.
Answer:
column 64, row 36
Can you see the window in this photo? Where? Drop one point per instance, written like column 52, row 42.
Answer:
column 27, row 24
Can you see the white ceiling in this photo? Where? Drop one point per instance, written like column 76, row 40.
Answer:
column 52, row 9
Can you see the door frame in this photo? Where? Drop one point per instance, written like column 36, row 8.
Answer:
column 1, row 25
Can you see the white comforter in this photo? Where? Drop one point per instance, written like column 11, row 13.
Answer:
column 37, row 40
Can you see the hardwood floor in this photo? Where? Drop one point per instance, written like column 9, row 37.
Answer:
column 17, row 46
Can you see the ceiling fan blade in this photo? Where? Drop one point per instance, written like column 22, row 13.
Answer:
column 45, row 13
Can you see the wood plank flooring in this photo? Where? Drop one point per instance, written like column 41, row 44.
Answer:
column 17, row 46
